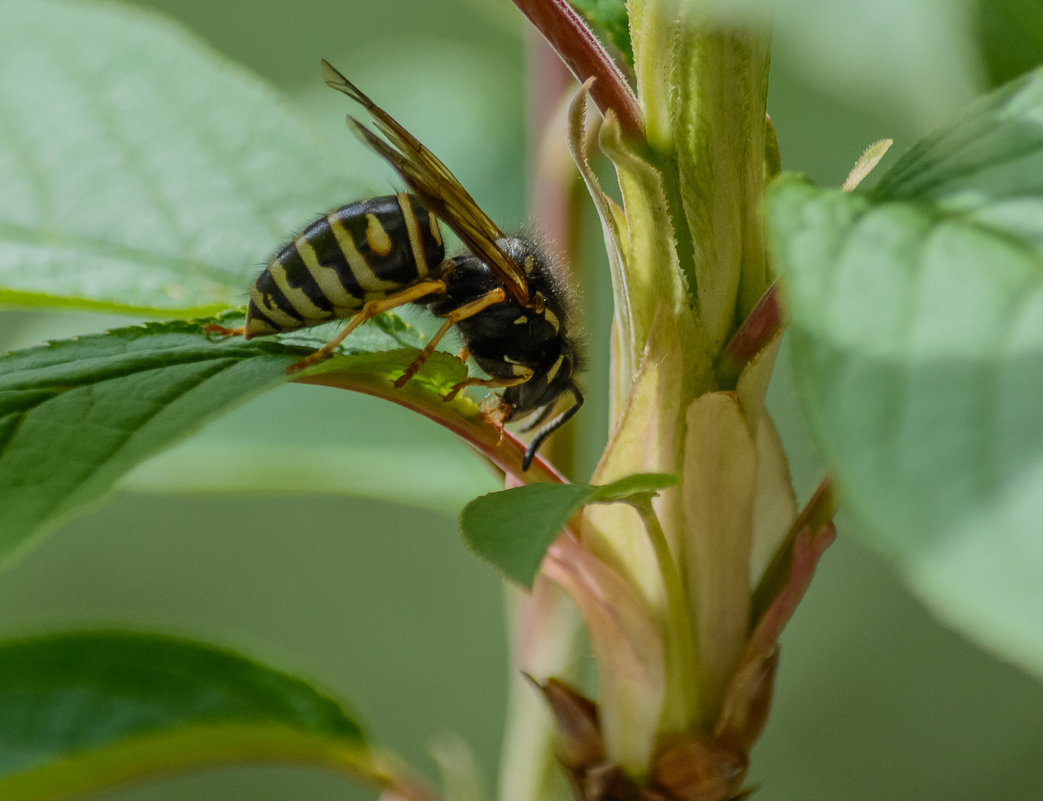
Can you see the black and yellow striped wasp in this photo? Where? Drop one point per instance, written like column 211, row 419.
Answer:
column 365, row 258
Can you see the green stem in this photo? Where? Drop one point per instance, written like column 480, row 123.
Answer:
column 681, row 672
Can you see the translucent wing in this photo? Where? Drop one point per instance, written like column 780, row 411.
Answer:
column 437, row 188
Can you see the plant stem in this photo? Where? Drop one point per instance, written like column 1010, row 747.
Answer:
column 578, row 47
column 681, row 657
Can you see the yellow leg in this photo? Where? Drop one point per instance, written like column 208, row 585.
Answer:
column 213, row 329
column 513, row 381
column 368, row 312
column 455, row 316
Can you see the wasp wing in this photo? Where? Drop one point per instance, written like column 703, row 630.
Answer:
column 436, row 186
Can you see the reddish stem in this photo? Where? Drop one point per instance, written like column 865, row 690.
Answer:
column 552, row 175
column 501, row 448
column 816, row 515
column 748, row 698
column 755, row 332
column 580, row 49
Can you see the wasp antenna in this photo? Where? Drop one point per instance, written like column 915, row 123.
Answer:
column 539, row 420
column 551, row 427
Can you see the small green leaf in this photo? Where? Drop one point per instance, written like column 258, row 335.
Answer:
column 512, row 529
column 75, row 415
column 144, row 172
column 866, row 163
column 85, row 711
column 917, row 338
column 638, row 484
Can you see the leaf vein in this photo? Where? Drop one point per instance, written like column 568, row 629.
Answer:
column 90, row 246
column 11, row 431
column 40, row 178
column 132, row 154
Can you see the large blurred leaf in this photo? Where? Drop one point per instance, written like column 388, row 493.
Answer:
column 986, row 168
column 141, row 171
column 77, row 414
column 85, row 711
column 1011, row 33
column 917, row 331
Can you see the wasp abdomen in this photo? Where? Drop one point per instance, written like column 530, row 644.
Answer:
column 357, row 253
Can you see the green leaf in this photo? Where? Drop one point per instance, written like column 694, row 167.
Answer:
column 625, row 488
column 917, row 334
column 75, row 415
column 866, row 163
column 338, row 445
column 85, row 711
column 986, row 168
column 144, row 172
column 512, row 529
column 1011, row 33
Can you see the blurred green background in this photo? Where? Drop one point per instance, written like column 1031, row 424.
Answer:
column 381, row 603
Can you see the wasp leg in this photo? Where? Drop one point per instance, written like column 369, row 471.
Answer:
column 213, row 329
column 369, row 311
column 551, row 427
column 456, row 315
column 524, row 375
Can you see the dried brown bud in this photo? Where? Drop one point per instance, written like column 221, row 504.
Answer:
column 577, row 719
column 698, row 769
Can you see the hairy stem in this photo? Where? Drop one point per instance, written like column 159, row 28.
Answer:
column 580, row 49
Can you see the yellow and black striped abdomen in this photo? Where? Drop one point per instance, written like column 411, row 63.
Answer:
column 359, row 252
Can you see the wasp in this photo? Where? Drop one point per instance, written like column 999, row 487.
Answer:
column 503, row 293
